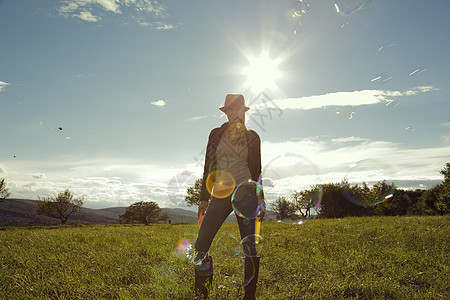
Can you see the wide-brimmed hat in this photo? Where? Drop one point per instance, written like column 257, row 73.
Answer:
column 234, row 101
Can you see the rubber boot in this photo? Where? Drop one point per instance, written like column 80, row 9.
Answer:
column 203, row 278
column 251, row 273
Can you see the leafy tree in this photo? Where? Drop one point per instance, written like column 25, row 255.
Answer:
column 283, row 208
column 414, row 197
column 338, row 200
column 193, row 193
column 4, row 191
column 443, row 203
column 426, row 203
column 383, row 199
column 304, row 201
column 436, row 201
column 446, row 172
column 61, row 207
column 382, row 189
column 164, row 217
column 397, row 205
column 361, row 192
column 141, row 213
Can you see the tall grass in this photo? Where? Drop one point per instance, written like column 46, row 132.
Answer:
column 351, row 258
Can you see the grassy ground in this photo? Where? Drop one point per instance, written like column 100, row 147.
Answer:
column 351, row 258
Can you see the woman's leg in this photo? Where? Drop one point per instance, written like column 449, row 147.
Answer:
column 251, row 258
column 216, row 213
column 248, row 208
column 247, row 231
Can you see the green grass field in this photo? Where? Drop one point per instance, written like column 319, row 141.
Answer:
column 351, row 258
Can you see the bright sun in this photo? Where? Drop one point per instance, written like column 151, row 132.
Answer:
column 262, row 72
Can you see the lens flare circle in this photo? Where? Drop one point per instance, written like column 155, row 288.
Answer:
column 176, row 188
column 182, row 247
column 233, row 255
column 193, row 256
column 285, row 171
column 247, row 200
column 220, row 184
column 369, row 171
column 248, row 242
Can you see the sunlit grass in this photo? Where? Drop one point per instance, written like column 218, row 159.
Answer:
column 359, row 258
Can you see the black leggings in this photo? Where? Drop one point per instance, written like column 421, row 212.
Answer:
column 216, row 213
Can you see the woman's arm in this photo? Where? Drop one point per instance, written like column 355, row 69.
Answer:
column 204, row 193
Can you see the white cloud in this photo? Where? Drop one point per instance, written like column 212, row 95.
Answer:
column 88, row 16
column 109, row 5
column 3, row 85
column 323, row 160
column 104, row 182
column 160, row 103
column 71, row 6
column 90, row 10
column 355, row 98
column 148, row 6
column 38, row 176
column 68, row 7
column 163, row 26
column 348, row 139
column 196, row 118
column 3, row 170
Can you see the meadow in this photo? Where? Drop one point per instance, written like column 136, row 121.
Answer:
column 349, row 258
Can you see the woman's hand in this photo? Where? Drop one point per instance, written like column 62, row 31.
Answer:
column 202, row 208
column 261, row 213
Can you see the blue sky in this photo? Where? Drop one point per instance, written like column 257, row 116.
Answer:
column 115, row 99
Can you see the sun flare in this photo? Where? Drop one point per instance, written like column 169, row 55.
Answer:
column 262, row 72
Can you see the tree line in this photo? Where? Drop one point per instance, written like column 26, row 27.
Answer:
column 339, row 200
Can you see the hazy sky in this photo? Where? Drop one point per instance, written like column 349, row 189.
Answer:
column 114, row 99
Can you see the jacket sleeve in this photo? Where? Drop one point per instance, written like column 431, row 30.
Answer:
column 258, row 162
column 255, row 159
column 204, row 193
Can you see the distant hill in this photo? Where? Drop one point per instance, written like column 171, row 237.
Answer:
column 22, row 212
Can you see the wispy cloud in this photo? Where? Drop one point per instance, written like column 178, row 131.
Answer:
column 164, row 26
column 334, row 157
column 3, row 86
column 38, row 176
column 160, row 103
column 92, row 10
column 355, row 98
column 103, row 182
column 3, row 170
column 321, row 160
column 74, row 6
column 196, row 118
column 88, row 16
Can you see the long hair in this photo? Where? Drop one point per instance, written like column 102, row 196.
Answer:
column 237, row 134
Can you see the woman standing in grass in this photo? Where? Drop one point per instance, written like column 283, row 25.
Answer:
column 233, row 156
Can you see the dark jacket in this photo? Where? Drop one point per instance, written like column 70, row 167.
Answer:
column 254, row 156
